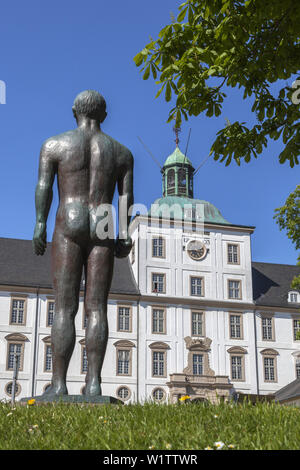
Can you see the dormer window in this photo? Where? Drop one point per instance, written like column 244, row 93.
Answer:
column 293, row 297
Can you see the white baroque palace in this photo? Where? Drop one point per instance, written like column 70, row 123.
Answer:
column 189, row 312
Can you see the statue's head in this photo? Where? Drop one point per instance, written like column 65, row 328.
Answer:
column 91, row 104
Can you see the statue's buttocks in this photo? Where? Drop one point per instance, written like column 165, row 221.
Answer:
column 74, row 217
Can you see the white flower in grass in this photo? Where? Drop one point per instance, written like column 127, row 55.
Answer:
column 219, row 445
column 208, row 448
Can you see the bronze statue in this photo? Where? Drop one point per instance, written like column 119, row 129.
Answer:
column 88, row 164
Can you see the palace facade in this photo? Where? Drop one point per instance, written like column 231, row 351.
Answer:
column 189, row 312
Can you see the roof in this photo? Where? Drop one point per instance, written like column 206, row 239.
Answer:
column 271, row 284
column 177, row 157
column 19, row 266
column 188, row 209
column 292, row 390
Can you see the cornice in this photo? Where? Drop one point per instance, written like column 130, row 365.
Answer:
column 199, row 302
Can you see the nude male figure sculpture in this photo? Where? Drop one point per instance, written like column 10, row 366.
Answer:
column 88, row 164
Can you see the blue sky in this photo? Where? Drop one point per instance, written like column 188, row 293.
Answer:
column 53, row 50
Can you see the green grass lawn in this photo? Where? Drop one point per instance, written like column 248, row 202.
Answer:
column 183, row 426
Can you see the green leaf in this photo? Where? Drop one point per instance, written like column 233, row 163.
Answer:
column 159, row 91
column 225, row 7
column 168, row 93
column 147, row 73
column 138, row 59
column 153, row 69
column 182, row 14
column 178, row 118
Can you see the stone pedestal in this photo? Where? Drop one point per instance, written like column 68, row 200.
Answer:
column 73, row 399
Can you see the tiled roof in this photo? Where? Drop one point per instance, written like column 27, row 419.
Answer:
column 290, row 391
column 19, row 266
column 272, row 282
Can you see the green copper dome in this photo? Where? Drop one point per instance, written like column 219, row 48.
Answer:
column 177, row 157
column 178, row 196
column 184, row 208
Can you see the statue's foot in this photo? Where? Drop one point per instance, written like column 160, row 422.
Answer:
column 56, row 390
column 93, row 389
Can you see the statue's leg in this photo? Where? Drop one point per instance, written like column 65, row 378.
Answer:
column 99, row 270
column 67, row 264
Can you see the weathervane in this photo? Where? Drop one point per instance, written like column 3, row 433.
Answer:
column 177, row 130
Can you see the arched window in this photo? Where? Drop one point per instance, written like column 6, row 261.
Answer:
column 171, row 181
column 181, row 181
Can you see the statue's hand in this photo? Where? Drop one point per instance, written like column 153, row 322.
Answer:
column 39, row 238
column 123, row 247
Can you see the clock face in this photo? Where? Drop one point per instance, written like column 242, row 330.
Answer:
column 196, row 250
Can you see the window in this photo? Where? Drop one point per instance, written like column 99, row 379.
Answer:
column 236, row 368
column 123, row 362
column 269, row 369
column 270, row 364
column 15, row 346
column 197, row 286
column 133, row 253
column 197, row 324
column 298, row 368
column 235, row 326
column 233, row 254
column 237, row 363
column 158, row 363
column 124, row 356
column 158, row 394
column 50, row 312
column 158, row 283
column 293, row 297
column 9, row 389
column 171, row 182
column 159, row 358
column 158, row 247
column 197, row 364
column 182, row 181
column 85, row 319
column 14, row 353
column 84, row 360
column 48, row 358
column 296, row 329
column 158, row 320
column 46, row 387
column 17, row 314
column 123, row 393
column 234, row 289
column 124, row 318
column 267, row 328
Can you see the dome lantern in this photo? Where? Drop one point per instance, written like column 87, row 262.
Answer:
column 178, row 175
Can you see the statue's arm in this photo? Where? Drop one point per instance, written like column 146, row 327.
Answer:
column 126, row 199
column 43, row 198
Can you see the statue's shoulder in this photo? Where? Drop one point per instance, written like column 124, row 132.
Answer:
column 54, row 144
column 122, row 153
